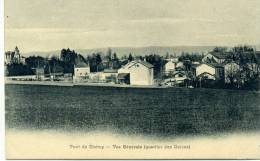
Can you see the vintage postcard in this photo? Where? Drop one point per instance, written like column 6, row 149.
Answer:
column 132, row 79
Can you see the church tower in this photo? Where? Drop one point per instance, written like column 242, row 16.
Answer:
column 17, row 56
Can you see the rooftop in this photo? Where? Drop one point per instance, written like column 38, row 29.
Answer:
column 220, row 55
column 81, row 65
column 148, row 65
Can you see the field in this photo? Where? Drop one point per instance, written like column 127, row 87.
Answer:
column 150, row 112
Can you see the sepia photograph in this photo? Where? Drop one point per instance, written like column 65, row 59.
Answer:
column 132, row 79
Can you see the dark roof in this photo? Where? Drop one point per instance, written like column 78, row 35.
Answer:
column 220, row 55
column 216, row 65
column 230, row 63
column 148, row 65
column 81, row 65
column 130, row 64
column 179, row 72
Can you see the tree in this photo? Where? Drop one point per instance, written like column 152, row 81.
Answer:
column 130, row 57
column 109, row 54
column 35, row 61
column 16, row 69
column 115, row 61
column 99, row 60
column 69, row 60
column 157, row 61
column 55, row 65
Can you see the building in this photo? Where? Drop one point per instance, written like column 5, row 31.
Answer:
column 81, row 72
column 215, row 57
column 138, row 73
column 179, row 65
column 169, row 67
column 13, row 56
column 110, row 75
column 231, row 69
column 208, row 71
column 177, row 77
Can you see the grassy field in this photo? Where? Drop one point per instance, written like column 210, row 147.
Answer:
column 162, row 112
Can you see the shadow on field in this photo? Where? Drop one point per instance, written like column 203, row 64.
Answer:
column 161, row 112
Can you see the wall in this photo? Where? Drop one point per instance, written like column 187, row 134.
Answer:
column 170, row 66
column 205, row 68
column 141, row 75
column 80, row 72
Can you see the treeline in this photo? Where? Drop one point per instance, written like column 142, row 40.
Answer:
column 244, row 56
column 68, row 58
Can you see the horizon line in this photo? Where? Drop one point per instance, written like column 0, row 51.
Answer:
column 164, row 46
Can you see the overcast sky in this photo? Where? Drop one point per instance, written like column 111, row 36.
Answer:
column 43, row 25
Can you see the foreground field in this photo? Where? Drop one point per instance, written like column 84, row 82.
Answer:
column 155, row 112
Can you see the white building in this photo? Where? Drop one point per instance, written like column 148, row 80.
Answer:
column 138, row 73
column 169, row 67
column 110, row 75
column 179, row 65
column 81, row 72
column 205, row 70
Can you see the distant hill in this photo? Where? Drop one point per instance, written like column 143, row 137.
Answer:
column 175, row 50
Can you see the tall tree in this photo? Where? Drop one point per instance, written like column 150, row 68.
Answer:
column 130, row 57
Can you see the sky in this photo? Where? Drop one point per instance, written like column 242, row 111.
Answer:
column 45, row 25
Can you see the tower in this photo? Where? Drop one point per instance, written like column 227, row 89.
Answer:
column 17, row 56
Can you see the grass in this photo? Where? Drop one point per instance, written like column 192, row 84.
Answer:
column 170, row 111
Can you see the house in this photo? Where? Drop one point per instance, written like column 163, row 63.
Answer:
column 110, row 75
column 13, row 57
column 173, row 59
column 215, row 57
column 177, row 77
column 138, row 72
column 169, row 67
column 231, row 70
column 81, row 72
column 106, row 76
column 208, row 71
column 179, row 65
column 96, row 77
